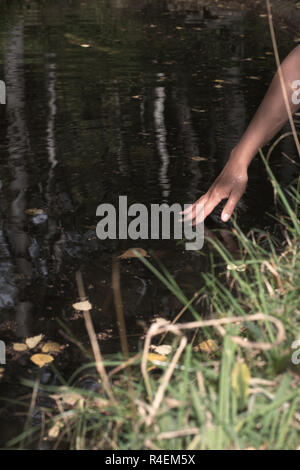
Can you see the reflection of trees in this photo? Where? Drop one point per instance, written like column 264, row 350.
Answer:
column 17, row 147
column 161, row 139
column 50, row 194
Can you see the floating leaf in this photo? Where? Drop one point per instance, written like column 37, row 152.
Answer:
column 83, row 306
column 33, row 341
column 163, row 349
column 198, row 159
column 51, row 347
column 207, row 346
column 131, row 253
column 240, row 380
column 198, row 110
column 34, row 212
column 19, row 347
column 41, row 359
column 85, row 45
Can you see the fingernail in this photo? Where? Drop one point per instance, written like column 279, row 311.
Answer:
column 225, row 217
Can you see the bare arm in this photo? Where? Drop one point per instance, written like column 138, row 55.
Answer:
column 267, row 121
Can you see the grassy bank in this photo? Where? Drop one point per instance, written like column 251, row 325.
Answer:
column 225, row 382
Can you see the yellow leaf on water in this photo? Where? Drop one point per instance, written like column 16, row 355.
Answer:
column 198, row 159
column 83, row 306
column 131, row 253
column 198, row 110
column 34, row 211
column 20, row 347
column 33, row 341
column 51, row 347
column 207, row 346
column 41, row 359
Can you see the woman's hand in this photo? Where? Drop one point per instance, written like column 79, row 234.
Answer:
column 230, row 184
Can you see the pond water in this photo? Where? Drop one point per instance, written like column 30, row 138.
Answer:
column 109, row 98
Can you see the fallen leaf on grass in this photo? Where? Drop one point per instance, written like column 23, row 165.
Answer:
column 131, row 253
column 240, row 380
column 41, row 359
column 53, row 432
column 163, row 349
column 68, row 397
column 236, row 267
column 83, row 306
column 207, row 346
column 156, row 357
column 33, row 341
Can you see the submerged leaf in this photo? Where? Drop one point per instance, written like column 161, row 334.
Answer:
column 130, row 253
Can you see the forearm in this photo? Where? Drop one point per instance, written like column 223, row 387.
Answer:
column 271, row 114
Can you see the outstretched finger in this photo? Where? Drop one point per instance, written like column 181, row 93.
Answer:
column 230, row 205
column 194, row 209
column 207, row 208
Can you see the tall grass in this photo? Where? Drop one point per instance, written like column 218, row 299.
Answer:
column 244, row 392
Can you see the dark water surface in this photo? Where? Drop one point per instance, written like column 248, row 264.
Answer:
column 156, row 87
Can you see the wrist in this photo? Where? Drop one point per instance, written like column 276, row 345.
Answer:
column 242, row 156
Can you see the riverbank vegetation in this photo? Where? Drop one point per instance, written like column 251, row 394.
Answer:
column 228, row 381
